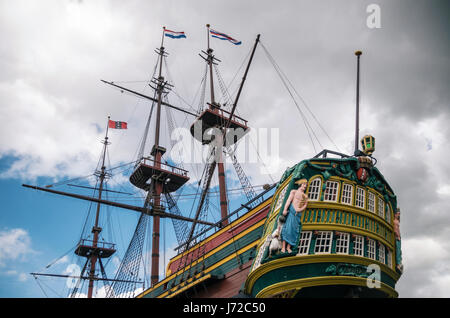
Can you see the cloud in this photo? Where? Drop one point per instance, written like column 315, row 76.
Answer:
column 426, row 262
column 15, row 245
column 21, row 277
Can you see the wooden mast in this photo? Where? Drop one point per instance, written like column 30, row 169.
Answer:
column 96, row 229
column 223, row 137
column 219, row 142
column 157, row 185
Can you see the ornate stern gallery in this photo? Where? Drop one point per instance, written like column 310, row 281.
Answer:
column 349, row 243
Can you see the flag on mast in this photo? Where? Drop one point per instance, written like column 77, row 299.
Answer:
column 117, row 124
column 173, row 34
column 223, row 36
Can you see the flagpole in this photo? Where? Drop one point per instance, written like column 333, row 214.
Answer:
column 162, row 39
column 358, row 54
column 207, row 33
column 107, row 128
column 210, row 62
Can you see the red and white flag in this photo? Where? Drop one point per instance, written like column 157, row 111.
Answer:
column 117, row 124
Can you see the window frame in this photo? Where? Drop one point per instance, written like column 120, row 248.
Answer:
column 336, row 194
column 382, row 253
column 388, row 216
column 346, row 241
column 369, row 196
column 312, row 195
column 350, row 197
column 381, row 207
column 304, row 243
column 358, row 245
column 371, row 249
column 325, row 237
column 389, row 258
column 357, row 198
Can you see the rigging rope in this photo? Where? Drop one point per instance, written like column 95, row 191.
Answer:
column 280, row 74
column 287, row 83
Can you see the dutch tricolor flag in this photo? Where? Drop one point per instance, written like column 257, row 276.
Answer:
column 223, row 36
column 174, row 35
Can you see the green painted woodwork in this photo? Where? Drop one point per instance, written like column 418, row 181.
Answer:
column 283, row 274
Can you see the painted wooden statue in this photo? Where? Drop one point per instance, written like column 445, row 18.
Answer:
column 398, row 247
column 295, row 205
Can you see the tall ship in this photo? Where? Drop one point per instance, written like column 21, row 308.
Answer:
column 328, row 228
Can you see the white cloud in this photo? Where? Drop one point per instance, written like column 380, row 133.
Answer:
column 21, row 277
column 426, row 268
column 15, row 245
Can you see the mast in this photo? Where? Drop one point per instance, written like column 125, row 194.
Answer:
column 226, row 121
column 210, row 63
column 96, row 229
column 219, row 140
column 358, row 54
column 156, row 186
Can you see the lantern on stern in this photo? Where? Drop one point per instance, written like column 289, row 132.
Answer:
column 368, row 144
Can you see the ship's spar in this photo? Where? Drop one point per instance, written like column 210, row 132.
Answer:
column 152, row 204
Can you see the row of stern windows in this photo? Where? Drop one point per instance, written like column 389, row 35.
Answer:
column 329, row 242
column 344, row 193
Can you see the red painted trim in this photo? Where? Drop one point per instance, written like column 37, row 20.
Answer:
column 221, row 238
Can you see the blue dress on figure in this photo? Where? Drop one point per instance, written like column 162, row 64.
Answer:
column 292, row 228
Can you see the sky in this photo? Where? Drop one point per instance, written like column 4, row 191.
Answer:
column 54, row 108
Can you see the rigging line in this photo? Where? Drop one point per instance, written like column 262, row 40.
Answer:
column 237, row 72
column 137, row 102
column 307, row 107
column 259, row 157
column 54, row 291
column 305, row 121
column 225, row 95
column 194, row 168
column 201, row 102
column 88, row 216
column 140, row 153
column 37, row 281
column 69, row 180
column 122, row 165
column 130, row 82
column 214, row 192
column 56, row 260
column 169, row 75
column 108, row 217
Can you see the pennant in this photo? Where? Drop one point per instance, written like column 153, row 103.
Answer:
column 223, row 36
column 174, row 35
column 117, row 124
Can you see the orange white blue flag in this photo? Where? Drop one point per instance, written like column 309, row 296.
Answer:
column 173, row 34
column 223, row 36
